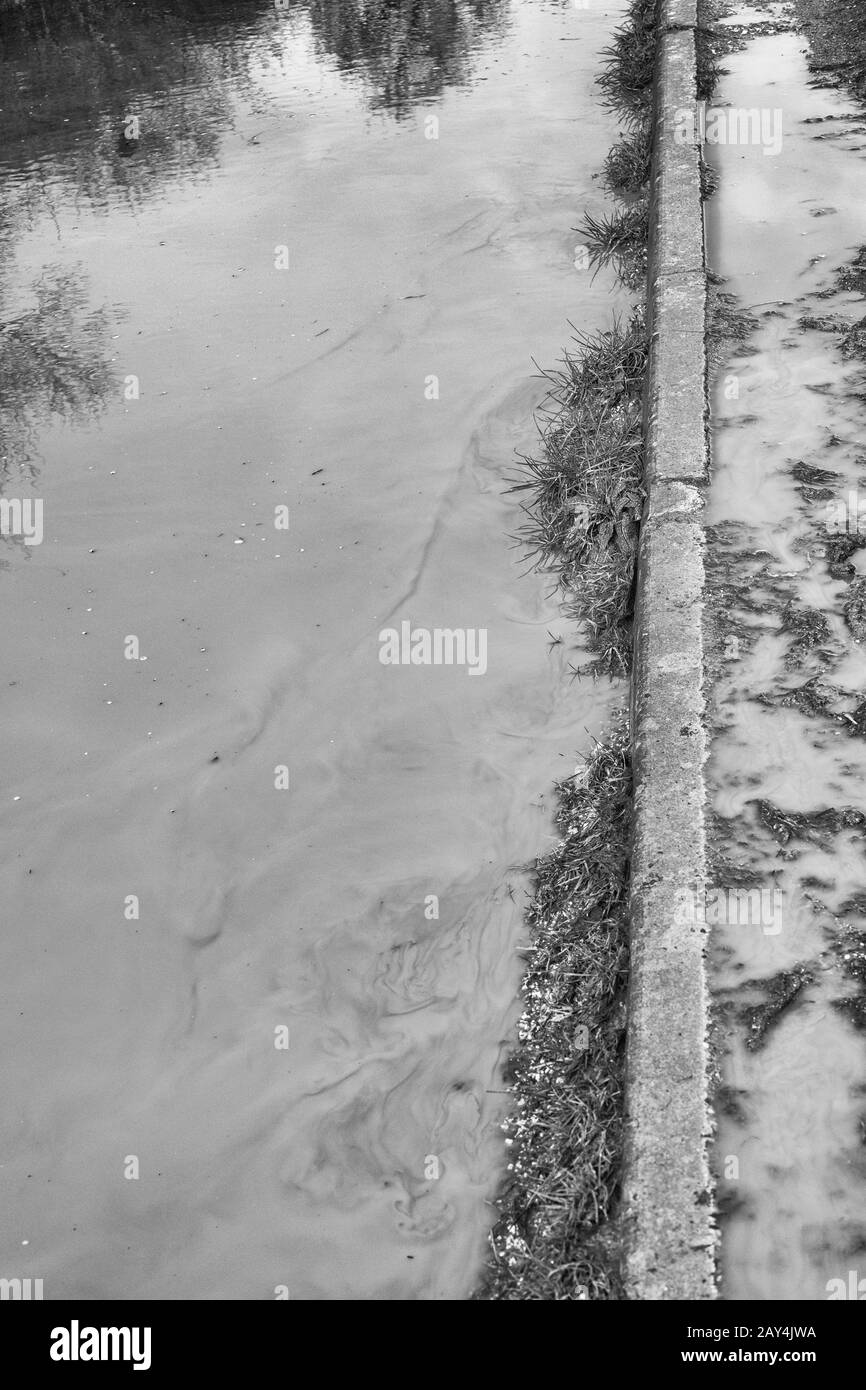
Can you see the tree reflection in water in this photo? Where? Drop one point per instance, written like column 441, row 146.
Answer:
column 407, row 51
column 53, row 363
column 74, row 74
column 67, row 62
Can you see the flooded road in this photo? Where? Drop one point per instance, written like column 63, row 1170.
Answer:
column 272, row 284
column 788, row 767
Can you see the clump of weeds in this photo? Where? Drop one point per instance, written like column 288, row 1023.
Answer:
column 556, row 1237
column 628, row 63
column 627, row 164
column 585, row 485
column 619, row 239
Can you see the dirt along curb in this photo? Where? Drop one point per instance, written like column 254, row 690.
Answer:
column 668, row 1213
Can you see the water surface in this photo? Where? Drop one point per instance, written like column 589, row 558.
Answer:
column 174, row 388
column 788, row 411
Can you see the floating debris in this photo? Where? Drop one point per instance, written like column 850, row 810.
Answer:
column 782, row 991
column 814, row 827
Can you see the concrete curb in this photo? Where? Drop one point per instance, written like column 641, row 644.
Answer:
column 668, row 1212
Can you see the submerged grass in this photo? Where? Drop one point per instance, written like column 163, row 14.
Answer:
column 586, row 485
column 628, row 63
column 619, row 239
column 556, row 1239
column 627, row 163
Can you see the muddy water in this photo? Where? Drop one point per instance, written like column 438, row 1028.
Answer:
column 257, row 1029
column 788, row 985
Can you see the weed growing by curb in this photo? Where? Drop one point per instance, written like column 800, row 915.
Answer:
column 586, row 486
column 556, row 1238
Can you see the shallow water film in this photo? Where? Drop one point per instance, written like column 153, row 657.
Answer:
column 283, row 707
column 786, row 776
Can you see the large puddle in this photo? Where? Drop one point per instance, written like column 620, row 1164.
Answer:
column 788, row 769
column 262, row 902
